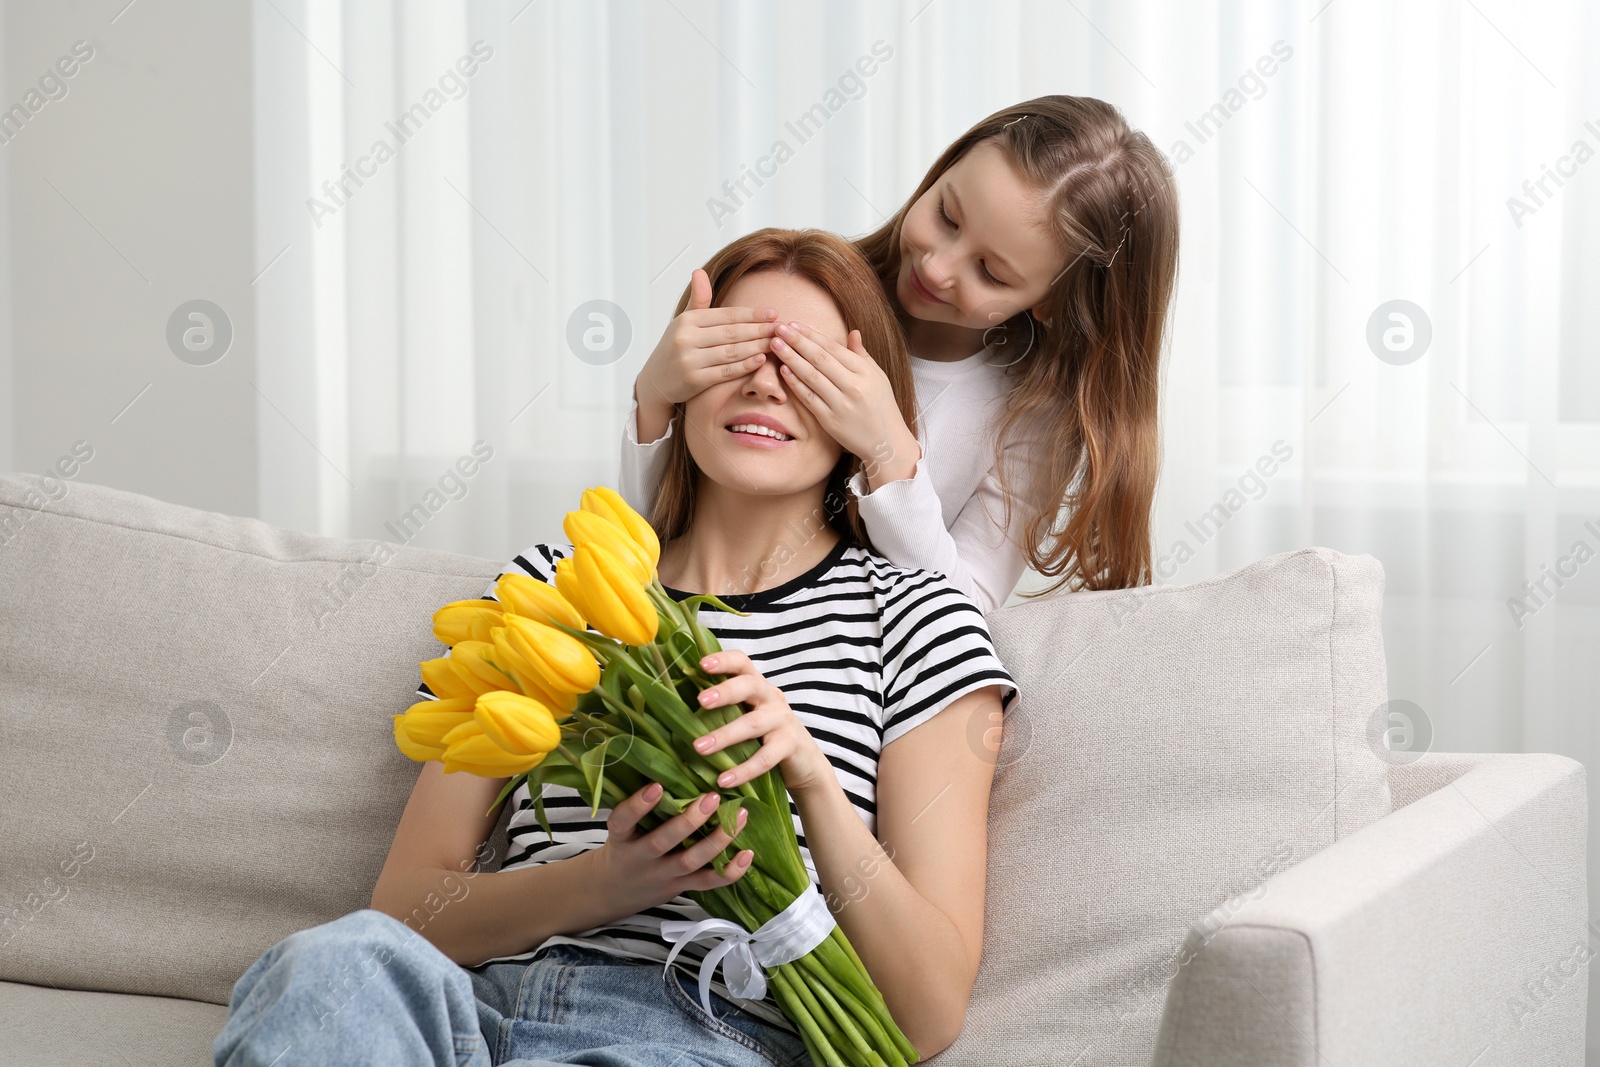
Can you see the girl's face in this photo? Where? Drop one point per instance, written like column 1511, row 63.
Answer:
column 974, row 249
column 745, row 462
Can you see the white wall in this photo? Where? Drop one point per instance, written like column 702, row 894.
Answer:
column 127, row 197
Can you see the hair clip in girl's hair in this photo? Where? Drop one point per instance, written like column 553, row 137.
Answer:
column 1019, row 118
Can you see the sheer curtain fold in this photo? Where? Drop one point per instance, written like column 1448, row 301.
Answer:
column 1332, row 159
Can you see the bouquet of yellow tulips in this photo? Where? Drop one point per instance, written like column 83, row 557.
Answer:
column 530, row 692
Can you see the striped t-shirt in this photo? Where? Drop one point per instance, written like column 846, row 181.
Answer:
column 863, row 650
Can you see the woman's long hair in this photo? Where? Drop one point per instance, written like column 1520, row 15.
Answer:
column 834, row 265
column 1083, row 392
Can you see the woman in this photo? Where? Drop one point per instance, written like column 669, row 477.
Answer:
column 873, row 689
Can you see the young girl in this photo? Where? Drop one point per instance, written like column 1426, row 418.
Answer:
column 1031, row 272
column 874, row 690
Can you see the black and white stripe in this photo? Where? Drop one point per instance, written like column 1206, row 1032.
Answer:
column 863, row 650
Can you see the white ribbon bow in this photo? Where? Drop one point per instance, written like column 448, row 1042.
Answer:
column 785, row 937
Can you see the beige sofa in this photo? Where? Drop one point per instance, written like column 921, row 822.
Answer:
column 1201, row 851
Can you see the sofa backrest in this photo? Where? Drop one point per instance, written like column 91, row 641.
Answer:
column 196, row 753
column 1174, row 747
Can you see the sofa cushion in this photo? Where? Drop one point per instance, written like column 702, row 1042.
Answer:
column 40, row 1025
column 1176, row 746
column 196, row 754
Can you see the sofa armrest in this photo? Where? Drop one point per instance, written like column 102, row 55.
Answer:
column 1452, row 931
column 1431, row 772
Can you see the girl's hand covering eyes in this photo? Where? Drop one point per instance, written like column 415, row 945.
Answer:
column 846, row 390
column 785, row 741
column 703, row 346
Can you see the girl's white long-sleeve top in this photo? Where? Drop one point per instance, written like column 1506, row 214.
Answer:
column 949, row 516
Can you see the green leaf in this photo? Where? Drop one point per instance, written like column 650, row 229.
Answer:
column 656, row 765
column 544, row 820
column 764, row 835
column 678, row 806
column 552, row 772
column 665, row 702
column 509, row 788
column 728, row 816
column 612, row 680
column 706, row 773
column 560, row 773
column 594, row 771
column 693, row 604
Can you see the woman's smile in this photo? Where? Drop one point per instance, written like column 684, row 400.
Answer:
column 757, row 438
column 761, row 431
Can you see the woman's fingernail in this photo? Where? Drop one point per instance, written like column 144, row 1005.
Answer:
column 709, row 662
column 653, row 792
column 702, row 744
column 725, row 779
column 709, row 803
column 708, row 696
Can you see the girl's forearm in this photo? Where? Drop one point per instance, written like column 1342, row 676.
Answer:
column 655, row 413
column 912, row 950
column 896, row 460
column 473, row 917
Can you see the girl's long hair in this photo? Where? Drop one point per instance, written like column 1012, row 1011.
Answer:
column 1083, row 396
column 834, row 265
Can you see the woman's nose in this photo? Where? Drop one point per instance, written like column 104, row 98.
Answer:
column 765, row 379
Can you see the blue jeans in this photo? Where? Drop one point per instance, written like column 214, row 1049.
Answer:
column 367, row 989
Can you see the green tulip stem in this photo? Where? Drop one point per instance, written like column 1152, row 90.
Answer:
column 666, row 605
column 595, row 723
column 608, row 788
column 844, row 1000
column 661, row 663
column 829, row 1036
column 842, row 1018
column 790, row 1001
column 634, row 716
column 689, row 621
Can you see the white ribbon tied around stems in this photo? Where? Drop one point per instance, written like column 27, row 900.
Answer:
column 785, row 937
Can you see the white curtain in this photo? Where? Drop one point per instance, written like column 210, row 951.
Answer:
column 1333, row 156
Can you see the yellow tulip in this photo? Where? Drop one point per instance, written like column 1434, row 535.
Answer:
column 462, row 620
column 561, row 661
column 477, row 657
column 615, row 598
column 528, row 679
column 448, row 677
column 520, row 725
column 427, row 721
column 587, row 528
column 412, row 750
column 468, row 748
column 571, row 588
column 608, row 504
column 536, row 600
